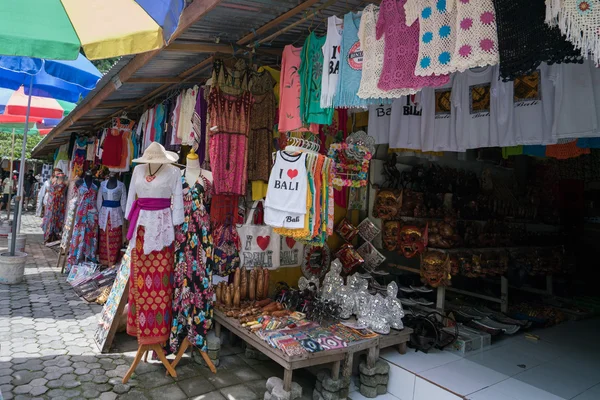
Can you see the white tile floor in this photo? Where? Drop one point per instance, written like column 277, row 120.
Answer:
column 563, row 364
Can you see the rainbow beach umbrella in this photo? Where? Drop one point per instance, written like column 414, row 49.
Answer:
column 57, row 29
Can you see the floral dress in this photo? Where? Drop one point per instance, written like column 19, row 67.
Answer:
column 54, row 215
column 84, row 240
column 193, row 293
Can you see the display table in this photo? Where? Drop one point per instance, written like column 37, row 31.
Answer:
column 335, row 356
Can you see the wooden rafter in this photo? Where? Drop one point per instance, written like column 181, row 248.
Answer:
column 273, row 23
column 199, row 48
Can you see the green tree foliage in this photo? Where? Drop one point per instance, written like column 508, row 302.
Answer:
column 6, row 142
column 106, row 64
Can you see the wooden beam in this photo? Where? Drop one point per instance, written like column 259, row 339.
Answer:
column 114, row 104
column 154, row 80
column 273, row 23
column 188, row 17
column 200, row 48
column 292, row 25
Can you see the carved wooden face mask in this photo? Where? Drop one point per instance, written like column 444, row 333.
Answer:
column 412, row 241
column 386, row 204
column 391, row 229
column 435, row 268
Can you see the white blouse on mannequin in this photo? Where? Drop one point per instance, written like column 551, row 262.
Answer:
column 116, row 214
column 159, row 231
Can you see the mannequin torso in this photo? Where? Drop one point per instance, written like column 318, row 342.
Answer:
column 193, row 171
column 112, row 181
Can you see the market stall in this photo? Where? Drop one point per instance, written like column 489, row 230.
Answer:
column 328, row 197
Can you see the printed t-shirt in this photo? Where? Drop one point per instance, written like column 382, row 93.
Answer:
column 379, row 122
column 438, row 119
column 331, row 57
column 286, row 194
column 575, row 113
column 311, row 68
column 474, row 100
column 405, row 124
column 528, row 106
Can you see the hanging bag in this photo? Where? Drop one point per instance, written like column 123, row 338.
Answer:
column 260, row 245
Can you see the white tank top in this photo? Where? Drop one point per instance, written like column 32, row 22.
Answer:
column 288, row 183
column 331, row 60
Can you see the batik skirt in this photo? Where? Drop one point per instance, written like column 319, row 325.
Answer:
column 150, row 293
column 111, row 241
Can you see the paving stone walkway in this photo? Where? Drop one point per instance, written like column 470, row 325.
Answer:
column 47, row 349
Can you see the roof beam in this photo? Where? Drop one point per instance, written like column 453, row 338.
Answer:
column 190, row 15
column 114, row 104
column 153, row 80
column 200, row 48
column 273, row 23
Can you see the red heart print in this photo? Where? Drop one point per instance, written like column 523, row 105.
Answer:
column 292, row 173
column 263, row 242
column 290, row 242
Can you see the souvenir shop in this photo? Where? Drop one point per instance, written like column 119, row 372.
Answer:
column 416, row 173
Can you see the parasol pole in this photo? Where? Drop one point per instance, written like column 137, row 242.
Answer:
column 19, row 198
column 12, row 156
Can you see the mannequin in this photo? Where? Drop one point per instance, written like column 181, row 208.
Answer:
column 88, row 178
column 112, row 181
column 111, row 202
column 193, row 171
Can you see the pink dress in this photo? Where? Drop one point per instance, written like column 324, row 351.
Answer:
column 289, row 92
column 401, row 50
column 228, row 142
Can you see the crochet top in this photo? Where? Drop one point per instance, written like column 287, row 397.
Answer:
column 578, row 20
column 476, row 37
column 524, row 40
column 437, row 37
column 401, row 50
column 373, row 50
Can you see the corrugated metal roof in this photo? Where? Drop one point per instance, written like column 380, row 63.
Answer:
column 224, row 26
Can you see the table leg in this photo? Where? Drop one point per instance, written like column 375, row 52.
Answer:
column 335, row 370
column 287, row 380
column 347, row 369
column 402, row 348
column 372, row 356
column 217, row 329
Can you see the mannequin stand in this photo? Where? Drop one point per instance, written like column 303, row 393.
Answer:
column 186, row 343
column 143, row 352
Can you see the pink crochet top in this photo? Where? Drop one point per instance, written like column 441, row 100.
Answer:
column 401, row 50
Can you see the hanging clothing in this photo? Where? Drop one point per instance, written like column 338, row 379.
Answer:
column 373, row 50
column 578, row 20
column 529, row 104
column 405, row 124
column 286, row 196
column 186, row 112
column 379, row 123
column 192, row 300
column 401, row 50
column 331, row 57
column 290, row 92
column 158, row 221
column 71, row 208
column 475, row 100
column 79, row 156
column 262, row 119
column 476, row 37
column 84, row 239
column 230, row 120
column 351, row 65
column 437, row 34
column 276, row 75
column 54, row 214
column 575, row 113
column 150, row 290
column 310, row 72
column 111, row 204
column 438, row 118
column 525, row 40
column 199, row 125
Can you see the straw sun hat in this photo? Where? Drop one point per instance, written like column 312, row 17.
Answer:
column 156, row 154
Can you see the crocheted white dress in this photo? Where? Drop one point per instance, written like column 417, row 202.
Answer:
column 373, row 54
column 476, row 35
column 578, row 20
column 437, row 35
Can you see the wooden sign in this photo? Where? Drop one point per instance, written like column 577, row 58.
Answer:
column 113, row 308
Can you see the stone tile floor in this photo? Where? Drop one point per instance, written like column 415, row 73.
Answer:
column 47, row 349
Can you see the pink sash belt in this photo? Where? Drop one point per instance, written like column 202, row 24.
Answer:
column 148, row 204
